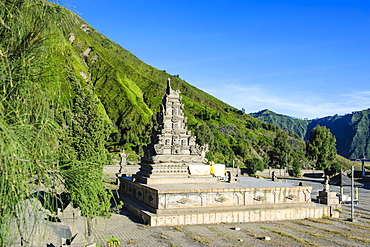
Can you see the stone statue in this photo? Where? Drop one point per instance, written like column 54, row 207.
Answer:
column 273, row 176
column 176, row 149
column 326, row 184
column 161, row 140
column 122, row 163
column 191, row 140
column 123, row 160
column 203, row 150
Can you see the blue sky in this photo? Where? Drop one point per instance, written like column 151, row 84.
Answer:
column 306, row 58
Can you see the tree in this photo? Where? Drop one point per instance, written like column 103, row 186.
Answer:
column 321, row 147
column 255, row 164
column 83, row 154
column 296, row 167
column 204, row 134
column 281, row 151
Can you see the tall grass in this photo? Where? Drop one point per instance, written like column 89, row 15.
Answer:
column 30, row 133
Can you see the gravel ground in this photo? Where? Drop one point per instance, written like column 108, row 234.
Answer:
column 308, row 232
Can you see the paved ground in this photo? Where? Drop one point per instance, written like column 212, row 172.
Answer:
column 309, row 232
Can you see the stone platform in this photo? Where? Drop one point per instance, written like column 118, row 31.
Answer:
column 209, row 203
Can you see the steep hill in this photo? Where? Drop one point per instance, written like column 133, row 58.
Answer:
column 352, row 131
column 131, row 93
column 69, row 56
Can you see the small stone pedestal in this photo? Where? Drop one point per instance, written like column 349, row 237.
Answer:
column 328, row 198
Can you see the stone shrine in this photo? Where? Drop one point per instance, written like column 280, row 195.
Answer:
column 175, row 187
column 173, row 148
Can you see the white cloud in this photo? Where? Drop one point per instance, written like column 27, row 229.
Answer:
column 254, row 98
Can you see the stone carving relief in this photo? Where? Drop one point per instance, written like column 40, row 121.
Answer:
column 176, row 140
column 175, row 124
column 184, row 200
column 290, row 197
column 160, row 139
column 274, row 194
column 150, row 198
column 168, row 142
column 176, row 149
column 259, row 198
column 159, row 148
column 195, row 149
column 191, row 140
column 220, row 198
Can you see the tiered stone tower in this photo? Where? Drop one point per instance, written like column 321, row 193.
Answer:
column 173, row 148
column 164, row 192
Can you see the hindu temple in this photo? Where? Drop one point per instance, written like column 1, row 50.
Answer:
column 175, row 186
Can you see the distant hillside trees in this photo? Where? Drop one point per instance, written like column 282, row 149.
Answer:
column 321, row 147
column 351, row 131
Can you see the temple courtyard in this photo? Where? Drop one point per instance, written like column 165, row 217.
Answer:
column 132, row 231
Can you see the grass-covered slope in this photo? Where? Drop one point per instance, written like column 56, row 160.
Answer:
column 131, row 93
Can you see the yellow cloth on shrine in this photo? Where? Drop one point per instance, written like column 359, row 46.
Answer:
column 218, row 170
column 200, row 170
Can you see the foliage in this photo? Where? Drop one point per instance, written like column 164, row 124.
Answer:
column 255, row 164
column 296, row 168
column 281, row 151
column 28, row 134
column 112, row 241
column 321, row 147
column 345, row 164
column 34, row 82
column 82, row 155
column 351, row 131
column 335, row 167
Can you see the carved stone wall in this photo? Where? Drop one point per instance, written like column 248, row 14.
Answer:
column 198, row 198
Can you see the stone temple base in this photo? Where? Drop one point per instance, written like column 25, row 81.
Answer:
column 250, row 200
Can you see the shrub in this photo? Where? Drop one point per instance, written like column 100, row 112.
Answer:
column 255, row 164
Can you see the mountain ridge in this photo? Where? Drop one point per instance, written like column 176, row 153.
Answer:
column 351, row 130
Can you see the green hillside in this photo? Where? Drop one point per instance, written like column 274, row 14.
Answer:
column 352, row 131
column 131, row 94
